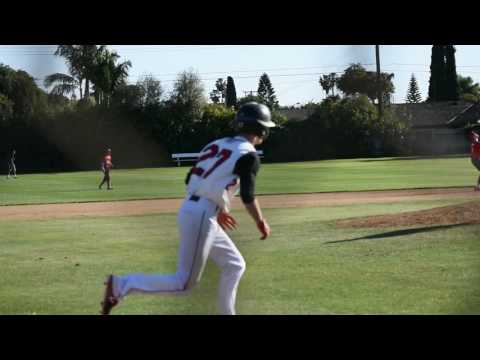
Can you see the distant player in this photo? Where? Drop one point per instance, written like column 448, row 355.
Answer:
column 11, row 165
column 475, row 154
column 223, row 166
column 107, row 165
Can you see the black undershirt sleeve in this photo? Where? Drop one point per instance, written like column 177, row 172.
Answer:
column 247, row 168
column 189, row 174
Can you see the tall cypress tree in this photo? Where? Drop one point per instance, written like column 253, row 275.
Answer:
column 436, row 88
column 266, row 93
column 451, row 84
column 413, row 95
column 231, row 93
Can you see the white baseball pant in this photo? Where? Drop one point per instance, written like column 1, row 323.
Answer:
column 201, row 237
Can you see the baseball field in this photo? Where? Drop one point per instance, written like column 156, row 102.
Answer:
column 363, row 236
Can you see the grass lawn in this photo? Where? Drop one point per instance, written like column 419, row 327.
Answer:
column 313, row 176
column 308, row 266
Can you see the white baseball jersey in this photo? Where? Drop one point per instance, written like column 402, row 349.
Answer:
column 213, row 177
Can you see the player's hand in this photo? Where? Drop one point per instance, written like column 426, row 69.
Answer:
column 263, row 228
column 226, row 221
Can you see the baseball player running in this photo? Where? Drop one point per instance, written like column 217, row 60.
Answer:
column 475, row 154
column 223, row 166
column 11, row 165
column 106, row 166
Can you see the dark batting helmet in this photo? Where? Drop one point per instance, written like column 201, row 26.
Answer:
column 254, row 118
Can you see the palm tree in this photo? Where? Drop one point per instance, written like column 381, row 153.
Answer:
column 101, row 75
column 64, row 84
column 89, row 64
column 328, row 82
column 108, row 75
column 120, row 73
column 80, row 60
column 67, row 82
column 86, row 63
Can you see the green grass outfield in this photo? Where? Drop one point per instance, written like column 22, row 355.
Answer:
column 307, row 266
column 301, row 177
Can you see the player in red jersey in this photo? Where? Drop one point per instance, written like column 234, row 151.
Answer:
column 475, row 154
column 106, row 166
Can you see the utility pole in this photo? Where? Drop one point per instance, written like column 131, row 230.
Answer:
column 379, row 89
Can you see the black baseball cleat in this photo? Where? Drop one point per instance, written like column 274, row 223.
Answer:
column 109, row 300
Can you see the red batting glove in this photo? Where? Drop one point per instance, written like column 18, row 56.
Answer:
column 264, row 228
column 226, row 221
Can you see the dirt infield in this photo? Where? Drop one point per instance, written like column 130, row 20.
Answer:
column 140, row 207
column 468, row 213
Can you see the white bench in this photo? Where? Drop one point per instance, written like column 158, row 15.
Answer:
column 179, row 158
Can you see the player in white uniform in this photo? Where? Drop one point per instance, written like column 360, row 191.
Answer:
column 223, row 166
column 11, row 165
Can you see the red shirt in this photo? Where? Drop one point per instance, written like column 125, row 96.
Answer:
column 475, row 150
column 107, row 160
column 475, row 146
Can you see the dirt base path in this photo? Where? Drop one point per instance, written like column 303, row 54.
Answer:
column 140, row 207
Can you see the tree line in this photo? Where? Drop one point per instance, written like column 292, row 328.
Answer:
column 93, row 107
column 445, row 84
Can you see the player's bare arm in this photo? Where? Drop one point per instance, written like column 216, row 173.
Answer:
column 255, row 212
column 247, row 168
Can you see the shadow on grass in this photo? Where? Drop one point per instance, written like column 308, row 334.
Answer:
column 425, row 157
column 95, row 189
column 400, row 233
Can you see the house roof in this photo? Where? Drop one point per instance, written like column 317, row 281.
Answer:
column 467, row 118
column 429, row 115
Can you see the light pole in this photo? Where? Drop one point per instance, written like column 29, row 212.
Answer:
column 379, row 89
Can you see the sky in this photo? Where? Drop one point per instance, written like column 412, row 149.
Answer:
column 294, row 70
